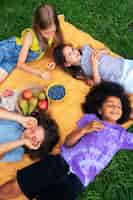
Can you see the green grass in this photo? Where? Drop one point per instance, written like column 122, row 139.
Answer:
column 109, row 22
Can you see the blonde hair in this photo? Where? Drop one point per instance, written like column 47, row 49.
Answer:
column 45, row 16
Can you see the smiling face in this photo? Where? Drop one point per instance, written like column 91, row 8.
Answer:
column 37, row 136
column 72, row 56
column 49, row 32
column 111, row 110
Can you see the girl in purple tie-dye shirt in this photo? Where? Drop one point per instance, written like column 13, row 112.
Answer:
column 98, row 137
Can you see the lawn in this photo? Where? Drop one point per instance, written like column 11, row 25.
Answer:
column 110, row 22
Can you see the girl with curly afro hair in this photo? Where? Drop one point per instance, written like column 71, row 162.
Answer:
column 100, row 93
column 98, row 136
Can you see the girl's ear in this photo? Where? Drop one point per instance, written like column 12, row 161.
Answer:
column 67, row 65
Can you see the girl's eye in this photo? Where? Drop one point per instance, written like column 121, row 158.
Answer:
column 110, row 105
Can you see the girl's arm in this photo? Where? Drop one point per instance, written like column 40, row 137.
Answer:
column 74, row 137
column 5, row 114
column 21, row 64
column 27, row 122
column 95, row 73
column 9, row 146
column 10, row 190
column 78, row 133
column 27, row 42
column 103, row 50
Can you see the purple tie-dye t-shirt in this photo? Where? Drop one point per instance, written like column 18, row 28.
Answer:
column 95, row 150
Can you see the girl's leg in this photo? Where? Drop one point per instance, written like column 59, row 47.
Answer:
column 9, row 190
column 3, row 75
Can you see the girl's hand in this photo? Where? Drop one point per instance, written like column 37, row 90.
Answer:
column 104, row 50
column 95, row 56
column 93, row 126
column 45, row 75
column 51, row 66
column 90, row 82
column 31, row 143
column 95, row 72
column 29, row 122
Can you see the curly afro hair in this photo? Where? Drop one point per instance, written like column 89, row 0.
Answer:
column 98, row 94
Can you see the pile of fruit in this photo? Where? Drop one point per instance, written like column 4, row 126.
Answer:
column 56, row 92
column 31, row 100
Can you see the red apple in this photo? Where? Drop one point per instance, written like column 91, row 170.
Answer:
column 43, row 104
column 27, row 94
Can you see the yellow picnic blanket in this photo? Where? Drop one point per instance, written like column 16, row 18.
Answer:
column 66, row 112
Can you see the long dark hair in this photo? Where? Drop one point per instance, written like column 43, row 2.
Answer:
column 74, row 71
column 99, row 93
column 45, row 16
column 51, row 135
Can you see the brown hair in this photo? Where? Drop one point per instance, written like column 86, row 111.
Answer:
column 44, row 16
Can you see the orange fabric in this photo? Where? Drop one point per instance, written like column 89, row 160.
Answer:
column 66, row 112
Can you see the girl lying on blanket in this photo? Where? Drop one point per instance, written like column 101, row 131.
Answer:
column 34, row 42
column 87, row 150
column 19, row 133
column 92, row 65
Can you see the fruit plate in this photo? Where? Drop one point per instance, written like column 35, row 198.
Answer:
column 32, row 99
column 8, row 99
column 56, row 92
